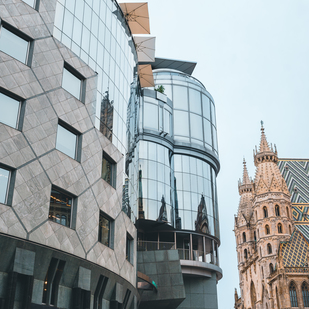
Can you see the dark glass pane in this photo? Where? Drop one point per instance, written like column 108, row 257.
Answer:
column 60, row 208
column 108, row 171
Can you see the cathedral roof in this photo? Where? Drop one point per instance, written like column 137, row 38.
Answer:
column 294, row 252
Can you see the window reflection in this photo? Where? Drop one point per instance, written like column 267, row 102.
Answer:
column 9, row 110
column 66, row 141
column 4, row 182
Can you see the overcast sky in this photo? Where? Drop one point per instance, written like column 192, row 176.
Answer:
column 253, row 57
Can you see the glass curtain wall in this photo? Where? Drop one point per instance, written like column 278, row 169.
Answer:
column 96, row 32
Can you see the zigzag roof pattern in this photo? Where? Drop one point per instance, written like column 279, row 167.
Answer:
column 296, row 175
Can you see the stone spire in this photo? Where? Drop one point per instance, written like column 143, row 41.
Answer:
column 245, row 188
column 267, row 177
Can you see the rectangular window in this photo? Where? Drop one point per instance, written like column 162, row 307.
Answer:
column 60, row 209
column 109, row 170
column 30, row 2
column 72, row 82
column 129, row 248
column 4, row 185
column 9, row 110
column 14, row 43
column 68, row 141
column 106, row 230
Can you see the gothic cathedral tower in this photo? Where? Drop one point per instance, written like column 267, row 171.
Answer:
column 262, row 223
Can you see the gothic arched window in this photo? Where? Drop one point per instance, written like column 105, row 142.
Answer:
column 287, row 212
column 254, row 235
column 265, row 212
column 293, row 295
column 245, row 254
column 305, row 292
column 244, row 237
column 267, row 230
column 271, row 268
column 279, row 228
column 277, row 210
column 269, row 251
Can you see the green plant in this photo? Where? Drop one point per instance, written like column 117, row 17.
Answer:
column 160, row 89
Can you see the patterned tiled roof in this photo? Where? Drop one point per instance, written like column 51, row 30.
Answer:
column 294, row 252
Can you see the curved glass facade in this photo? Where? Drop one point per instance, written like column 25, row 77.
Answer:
column 175, row 155
column 194, row 109
column 97, row 33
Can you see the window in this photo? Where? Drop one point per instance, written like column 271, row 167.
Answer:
column 129, row 248
column 244, row 237
column 106, row 230
column 7, row 177
column 267, row 230
column 293, row 295
column 245, row 254
column 277, row 210
column 109, row 170
column 9, row 110
column 14, row 43
column 60, row 209
column 265, row 212
column 305, row 292
column 287, row 212
column 51, row 282
column 30, row 2
column 254, row 235
column 72, row 82
column 271, row 268
column 269, row 251
column 99, row 292
column 67, row 141
column 279, row 228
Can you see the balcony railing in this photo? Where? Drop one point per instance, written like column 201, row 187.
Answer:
column 184, row 254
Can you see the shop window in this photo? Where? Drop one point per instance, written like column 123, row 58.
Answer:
column 72, row 82
column 106, row 230
column 129, row 248
column 10, row 109
column 109, row 170
column 126, row 299
column 68, row 141
column 15, row 43
column 51, row 282
column 99, row 292
column 60, row 209
column 7, row 177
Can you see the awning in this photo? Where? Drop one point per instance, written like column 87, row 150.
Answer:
column 137, row 17
column 145, row 75
column 145, row 47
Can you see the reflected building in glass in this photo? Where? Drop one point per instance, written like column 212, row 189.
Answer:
column 175, row 154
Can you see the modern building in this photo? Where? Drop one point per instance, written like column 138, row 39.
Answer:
column 271, row 230
column 94, row 165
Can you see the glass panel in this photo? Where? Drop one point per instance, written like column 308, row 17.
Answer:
column 206, row 106
column 181, row 123
column 213, row 114
column 207, row 132
column 180, row 97
column 71, row 83
column 4, row 180
column 167, row 122
column 60, row 207
column 196, row 126
column 195, row 101
column 13, row 45
column 66, row 141
column 9, row 109
column 104, row 230
column 151, row 116
column 108, row 171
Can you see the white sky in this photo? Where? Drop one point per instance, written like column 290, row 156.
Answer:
column 253, row 57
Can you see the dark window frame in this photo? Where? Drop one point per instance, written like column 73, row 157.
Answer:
column 10, row 185
column 129, row 248
column 113, row 172
column 78, row 146
column 78, row 75
column 23, row 36
column 110, row 232
column 293, row 295
column 72, row 223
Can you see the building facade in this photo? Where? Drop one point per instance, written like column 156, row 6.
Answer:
column 272, row 245
column 93, row 166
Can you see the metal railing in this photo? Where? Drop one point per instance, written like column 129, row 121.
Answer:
column 154, row 245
